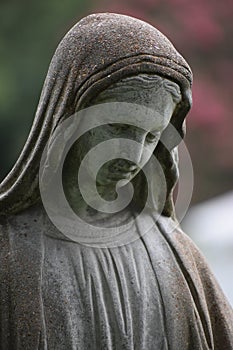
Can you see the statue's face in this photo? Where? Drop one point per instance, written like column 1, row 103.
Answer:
column 121, row 170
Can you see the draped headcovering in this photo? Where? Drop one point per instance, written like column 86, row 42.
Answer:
column 98, row 51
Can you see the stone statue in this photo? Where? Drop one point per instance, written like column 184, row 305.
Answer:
column 81, row 284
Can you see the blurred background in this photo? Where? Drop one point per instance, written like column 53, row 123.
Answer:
column 202, row 31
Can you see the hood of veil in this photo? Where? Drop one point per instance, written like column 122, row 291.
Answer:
column 98, row 51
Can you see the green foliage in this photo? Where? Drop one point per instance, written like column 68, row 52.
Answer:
column 29, row 34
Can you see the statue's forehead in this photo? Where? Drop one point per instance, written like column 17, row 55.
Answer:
column 142, row 89
column 143, row 100
column 124, row 113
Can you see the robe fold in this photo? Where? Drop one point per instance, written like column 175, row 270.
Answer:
column 154, row 293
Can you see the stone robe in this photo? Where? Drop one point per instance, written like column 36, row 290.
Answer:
column 154, row 293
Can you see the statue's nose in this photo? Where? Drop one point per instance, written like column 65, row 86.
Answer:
column 135, row 149
column 140, row 137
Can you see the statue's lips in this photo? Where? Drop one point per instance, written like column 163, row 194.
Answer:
column 118, row 172
column 115, row 167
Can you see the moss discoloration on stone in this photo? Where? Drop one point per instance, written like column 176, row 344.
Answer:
column 98, row 51
column 156, row 292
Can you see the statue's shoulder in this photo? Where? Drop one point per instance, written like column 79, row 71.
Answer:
column 19, row 224
column 3, row 230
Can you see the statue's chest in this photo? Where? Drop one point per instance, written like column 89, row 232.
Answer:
column 101, row 298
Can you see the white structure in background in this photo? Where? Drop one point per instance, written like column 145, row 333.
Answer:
column 210, row 225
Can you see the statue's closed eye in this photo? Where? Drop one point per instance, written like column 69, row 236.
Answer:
column 118, row 128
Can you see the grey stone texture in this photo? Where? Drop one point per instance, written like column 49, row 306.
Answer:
column 156, row 292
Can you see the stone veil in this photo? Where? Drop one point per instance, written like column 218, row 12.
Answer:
column 156, row 293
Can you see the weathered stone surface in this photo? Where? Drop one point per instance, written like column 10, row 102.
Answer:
column 153, row 292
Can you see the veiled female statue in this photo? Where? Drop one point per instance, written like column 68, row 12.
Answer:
column 75, row 273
